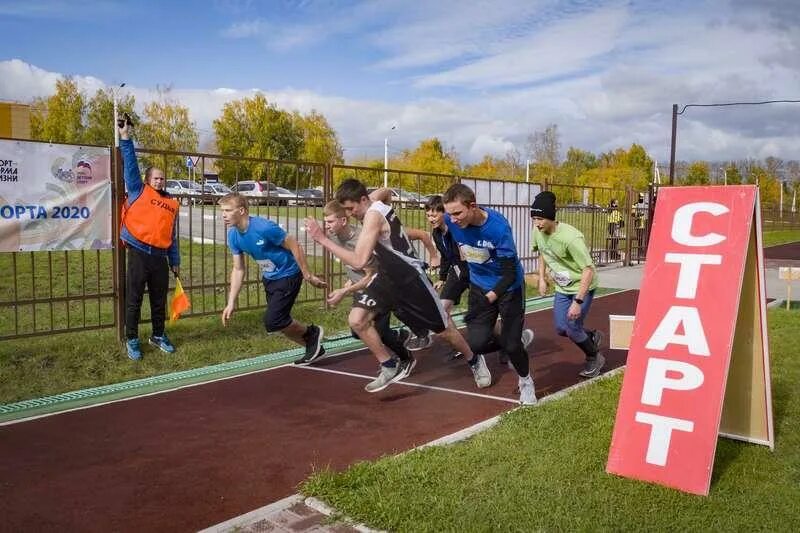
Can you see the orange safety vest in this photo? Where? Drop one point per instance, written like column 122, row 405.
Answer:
column 151, row 217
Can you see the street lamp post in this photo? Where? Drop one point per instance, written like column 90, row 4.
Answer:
column 386, row 158
column 675, row 114
column 116, row 113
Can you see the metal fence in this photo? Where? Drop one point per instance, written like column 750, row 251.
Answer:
column 44, row 292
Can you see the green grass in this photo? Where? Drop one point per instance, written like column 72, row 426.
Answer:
column 42, row 366
column 543, row 469
column 781, row 236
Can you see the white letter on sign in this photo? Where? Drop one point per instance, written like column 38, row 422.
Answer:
column 694, row 337
column 690, row 270
column 656, row 380
column 660, row 435
column 682, row 224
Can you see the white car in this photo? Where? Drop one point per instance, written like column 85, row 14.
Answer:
column 185, row 191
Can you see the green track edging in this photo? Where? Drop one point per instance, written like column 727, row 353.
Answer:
column 341, row 342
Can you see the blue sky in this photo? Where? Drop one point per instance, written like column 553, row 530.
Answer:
column 480, row 75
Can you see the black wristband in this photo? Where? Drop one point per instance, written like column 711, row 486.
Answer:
column 578, row 301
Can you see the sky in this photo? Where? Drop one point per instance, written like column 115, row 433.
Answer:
column 479, row 75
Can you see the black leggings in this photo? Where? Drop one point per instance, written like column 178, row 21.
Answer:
column 481, row 318
column 151, row 271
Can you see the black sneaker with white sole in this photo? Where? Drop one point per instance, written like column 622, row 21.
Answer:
column 314, row 349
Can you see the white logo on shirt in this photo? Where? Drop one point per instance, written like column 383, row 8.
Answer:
column 473, row 254
column 260, row 242
column 266, row 265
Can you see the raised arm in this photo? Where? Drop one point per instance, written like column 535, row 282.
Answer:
column 383, row 194
column 360, row 257
column 132, row 176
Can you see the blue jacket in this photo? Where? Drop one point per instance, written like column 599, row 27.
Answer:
column 134, row 186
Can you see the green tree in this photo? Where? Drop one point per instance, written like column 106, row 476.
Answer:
column 320, row 142
column 166, row 126
column 488, row 167
column 59, row 118
column 699, row 173
column 100, row 116
column 252, row 127
column 577, row 163
column 429, row 156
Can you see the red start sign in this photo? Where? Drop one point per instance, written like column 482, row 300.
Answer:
column 684, row 333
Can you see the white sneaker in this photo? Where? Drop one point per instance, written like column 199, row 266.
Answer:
column 483, row 378
column 527, row 392
column 527, row 338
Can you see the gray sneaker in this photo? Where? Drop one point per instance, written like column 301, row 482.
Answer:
column 386, row 377
column 593, row 367
column 527, row 338
column 483, row 378
column 527, row 391
column 415, row 343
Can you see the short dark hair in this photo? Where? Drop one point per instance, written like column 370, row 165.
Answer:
column 458, row 191
column 435, row 203
column 149, row 172
column 351, row 190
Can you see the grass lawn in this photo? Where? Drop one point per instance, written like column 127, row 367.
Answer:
column 543, row 469
column 781, row 236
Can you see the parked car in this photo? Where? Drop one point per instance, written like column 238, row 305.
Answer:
column 309, row 197
column 185, row 191
column 403, row 197
column 212, row 192
column 285, row 196
column 263, row 193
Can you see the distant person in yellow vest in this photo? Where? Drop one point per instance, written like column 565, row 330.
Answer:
column 148, row 230
column 615, row 225
column 639, row 215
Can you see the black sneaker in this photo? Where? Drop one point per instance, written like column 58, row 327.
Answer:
column 403, row 335
column 407, row 365
column 314, row 349
column 417, row 343
column 592, row 367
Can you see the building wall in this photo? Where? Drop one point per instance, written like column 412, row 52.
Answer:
column 15, row 120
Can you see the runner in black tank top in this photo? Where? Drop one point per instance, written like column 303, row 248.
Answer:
column 400, row 285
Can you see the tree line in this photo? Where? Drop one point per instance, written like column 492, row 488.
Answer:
column 246, row 128
column 257, row 129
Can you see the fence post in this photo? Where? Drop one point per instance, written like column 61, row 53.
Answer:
column 118, row 255
column 629, row 225
column 327, row 264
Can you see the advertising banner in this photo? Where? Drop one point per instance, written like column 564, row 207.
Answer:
column 54, row 197
column 698, row 362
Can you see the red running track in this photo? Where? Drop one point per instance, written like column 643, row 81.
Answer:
column 191, row 458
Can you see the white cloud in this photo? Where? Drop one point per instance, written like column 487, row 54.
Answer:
column 606, row 76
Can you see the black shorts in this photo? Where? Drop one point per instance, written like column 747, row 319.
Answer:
column 281, row 294
column 453, row 288
column 412, row 300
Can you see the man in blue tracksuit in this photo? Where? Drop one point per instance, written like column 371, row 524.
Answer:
column 149, row 230
column 497, row 285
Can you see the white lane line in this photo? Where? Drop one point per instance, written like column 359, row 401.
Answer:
column 409, row 384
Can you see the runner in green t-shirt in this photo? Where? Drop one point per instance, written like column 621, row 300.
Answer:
column 564, row 252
